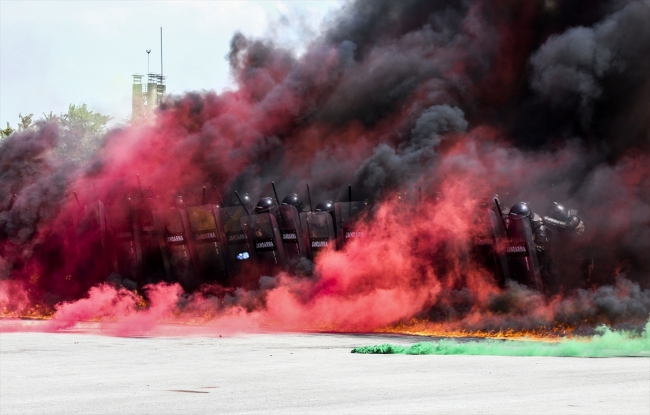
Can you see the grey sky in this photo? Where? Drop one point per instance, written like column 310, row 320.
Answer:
column 55, row 53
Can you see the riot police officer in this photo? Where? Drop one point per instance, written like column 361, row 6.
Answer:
column 561, row 219
column 328, row 206
column 540, row 238
column 564, row 229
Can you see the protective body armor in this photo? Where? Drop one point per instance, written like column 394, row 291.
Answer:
column 540, row 235
column 570, row 224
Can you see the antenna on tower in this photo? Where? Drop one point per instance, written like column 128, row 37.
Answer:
column 148, row 52
column 161, row 56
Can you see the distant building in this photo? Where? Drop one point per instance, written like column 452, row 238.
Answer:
column 147, row 97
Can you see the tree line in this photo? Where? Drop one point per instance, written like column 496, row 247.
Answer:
column 81, row 131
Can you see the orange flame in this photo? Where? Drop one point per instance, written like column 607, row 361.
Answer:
column 419, row 327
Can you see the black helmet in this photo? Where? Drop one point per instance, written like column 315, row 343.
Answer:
column 244, row 198
column 178, row 201
column 293, row 200
column 326, row 206
column 264, row 205
column 559, row 212
column 522, row 209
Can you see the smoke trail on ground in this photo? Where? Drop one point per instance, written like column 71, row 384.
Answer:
column 540, row 101
column 607, row 343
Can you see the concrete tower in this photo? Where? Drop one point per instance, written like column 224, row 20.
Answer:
column 146, row 98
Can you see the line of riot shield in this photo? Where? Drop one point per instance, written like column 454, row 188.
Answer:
column 174, row 230
column 346, row 214
column 264, row 233
column 237, row 248
column 292, row 234
column 523, row 265
column 318, row 231
column 210, row 260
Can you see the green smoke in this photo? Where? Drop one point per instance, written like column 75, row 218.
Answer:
column 606, row 343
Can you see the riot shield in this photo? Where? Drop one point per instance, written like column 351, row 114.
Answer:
column 92, row 238
column 347, row 213
column 121, row 230
column 96, row 216
column 150, row 247
column 523, row 265
column 237, row 248
column 264, row 233
column 487, row 246
column 209, row 253
column 292, row 234
column 174, row 228
column 498, row 252
column 318, row 231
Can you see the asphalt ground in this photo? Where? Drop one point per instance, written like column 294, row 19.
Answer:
column 83, row 372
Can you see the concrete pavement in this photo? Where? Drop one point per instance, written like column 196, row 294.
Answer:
column 74, row 373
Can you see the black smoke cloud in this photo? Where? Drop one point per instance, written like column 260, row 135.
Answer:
column 28, row 170
column 593, row 81
column 390, row 168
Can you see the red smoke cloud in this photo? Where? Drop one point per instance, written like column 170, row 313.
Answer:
column 413, row 257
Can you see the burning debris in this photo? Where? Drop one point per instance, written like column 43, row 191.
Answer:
column 390, row 138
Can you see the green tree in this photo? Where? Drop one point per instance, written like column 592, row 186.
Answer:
column 51, row 117
column 81, row 132
column 6, row 132
column 25, row 122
